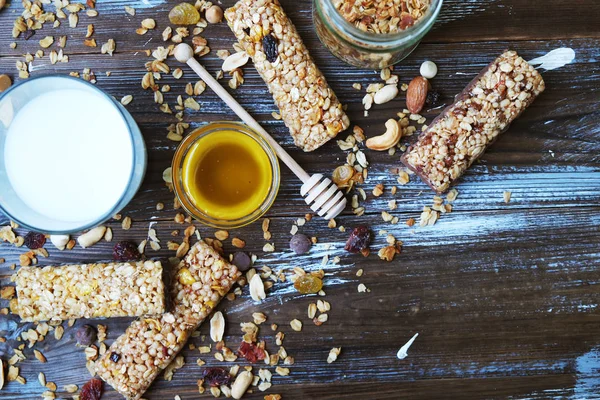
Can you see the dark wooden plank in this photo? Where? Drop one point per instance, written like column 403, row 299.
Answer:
column 504, row 296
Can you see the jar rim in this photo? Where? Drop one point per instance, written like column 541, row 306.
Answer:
column 380, row 39
column 184, row 199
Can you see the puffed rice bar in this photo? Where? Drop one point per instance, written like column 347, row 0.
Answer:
column 90, row 291
column 463, row 131
column 308, row 106
column 148, row 346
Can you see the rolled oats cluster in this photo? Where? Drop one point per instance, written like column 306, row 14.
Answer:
column 485, row 109
column 90, row 291
column 309, row 108
column 149, row 345
column 382, row 16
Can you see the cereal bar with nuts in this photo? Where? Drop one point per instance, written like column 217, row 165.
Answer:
column 129, row 289
column 308, row 106
column 464, row 130
column 148, row 346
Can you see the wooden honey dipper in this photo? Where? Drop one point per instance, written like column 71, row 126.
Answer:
column 319, row 192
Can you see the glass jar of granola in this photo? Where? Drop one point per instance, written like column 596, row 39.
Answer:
column 374, row 33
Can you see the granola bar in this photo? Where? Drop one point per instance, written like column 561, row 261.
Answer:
column 90, row 291
column 308, row 106
column 464, row 130
column 148, row 346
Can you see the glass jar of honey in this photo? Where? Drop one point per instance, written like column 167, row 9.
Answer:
column 225, row 175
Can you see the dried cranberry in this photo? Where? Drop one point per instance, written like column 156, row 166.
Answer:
column 270, row 48
column 115, row 357
column 251, row 352
column 359, row 239
column 433, row 98
column 92, row 390
column 242, row 261
column 300, row 243
column 216, row 376
column 126, row 251
column 34, row 240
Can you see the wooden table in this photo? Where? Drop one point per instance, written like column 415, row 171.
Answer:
column 504, row 296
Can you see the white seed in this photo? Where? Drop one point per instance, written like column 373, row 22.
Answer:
column 257, row 288
column 333, row 354
column 217, row 327
column 91, row 237
column 126, row 99
column 428, row 70
column 234, row 61
column 59, row 241
column 296, row 325
column 241, row 384
column 385, row 94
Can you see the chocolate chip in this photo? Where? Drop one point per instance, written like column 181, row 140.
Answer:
column 300, row 243
column 241, row 260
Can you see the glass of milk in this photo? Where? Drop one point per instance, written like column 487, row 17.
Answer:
column 70, row 155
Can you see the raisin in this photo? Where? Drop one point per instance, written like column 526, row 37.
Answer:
column 115, row 357
column 270, row 48
column 216, row 376
column 28, row 34
column 308, row 284
column 251, row 352
column 359, row 239
column 184, row 14
column 300, row 243
column 246, row 31
column 433, row 98
column 34, row 240
column 126, row 251
column 242, row 261
column 92, row 390
column 85, row 335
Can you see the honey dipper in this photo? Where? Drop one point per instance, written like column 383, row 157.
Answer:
column 319, row 192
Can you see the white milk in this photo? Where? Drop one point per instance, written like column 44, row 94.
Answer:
column 69, row 155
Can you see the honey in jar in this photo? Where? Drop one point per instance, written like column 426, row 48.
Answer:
column 227, row 174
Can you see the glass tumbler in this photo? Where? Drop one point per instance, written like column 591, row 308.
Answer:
column 16, row 204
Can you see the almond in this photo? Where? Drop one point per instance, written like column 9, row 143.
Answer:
column 416, row 94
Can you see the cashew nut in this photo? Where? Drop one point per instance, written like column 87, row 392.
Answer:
column 389, row 139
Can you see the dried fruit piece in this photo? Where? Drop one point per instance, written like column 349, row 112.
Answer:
column 126, row 251
column 34, row 240
column 85, row 335
column 342, row 175
column 307, row 284
column 92, row 390
column 251, row 352
column 433, row 98
column 5, row 82
column 184, row 14
column 359, row 239
column 242, row 261
column 416, row 94
column 270, row 48
column 215, row 377
column 300, row 243
column 115, row 357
